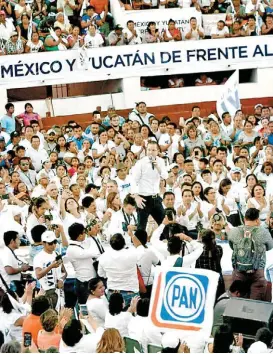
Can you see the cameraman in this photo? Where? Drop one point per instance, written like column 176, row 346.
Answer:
column 14, row 267
column 166, row 231
column 49, row 268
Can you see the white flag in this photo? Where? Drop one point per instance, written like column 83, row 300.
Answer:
column 229, row 100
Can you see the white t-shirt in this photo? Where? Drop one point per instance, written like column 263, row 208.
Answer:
column 120, row 322
column 101, row 148
column 87, row 344
column 93, row 41
column 42, row 260
column 218, row 32
column 9, row 259
column 70, row 219
column 98, row 309
column 124, row 187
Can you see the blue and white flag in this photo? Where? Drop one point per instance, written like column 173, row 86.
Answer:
column 229, row 100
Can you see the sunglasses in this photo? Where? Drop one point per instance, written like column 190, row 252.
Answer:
column 52, row 243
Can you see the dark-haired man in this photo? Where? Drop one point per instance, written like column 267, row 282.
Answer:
column 246, row 269
column 12, row 264
column 118, row 265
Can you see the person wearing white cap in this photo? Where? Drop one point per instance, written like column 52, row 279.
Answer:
column 49, row 269
column 40, row 189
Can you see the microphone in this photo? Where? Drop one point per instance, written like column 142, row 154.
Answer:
column 151, row 159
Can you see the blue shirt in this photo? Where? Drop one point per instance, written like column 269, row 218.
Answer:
column 78, row 141
column 270, row 139
column 8, row 123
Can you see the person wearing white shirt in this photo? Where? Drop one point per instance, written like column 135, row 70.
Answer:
column 49, row 269
column 80, row 253
column 174, row 248
column 196, row 32
column 93, row 39
column 140, row 114
column 131, row 34
column 12, row 264
column 124, row 220
column 140, row 328
column 220, row 31
column 97, row 304
column 147, row 262
column 170, row 142
column 146, row 177
column 123, row 180
column 118, row 265
column 6, row 26
column 38, row 155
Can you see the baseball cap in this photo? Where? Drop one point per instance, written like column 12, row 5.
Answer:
column 48, row 236
column 111, row 107
column 92, row 186
column 236, row 170
column 2, row 138
column 51, row 131
column 172, row 165
column 258, row 105
column 169, row 340
column 13, row 34
column 120, row 166
column 118, row 27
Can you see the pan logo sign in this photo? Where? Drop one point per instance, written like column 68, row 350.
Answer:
column 180, row 299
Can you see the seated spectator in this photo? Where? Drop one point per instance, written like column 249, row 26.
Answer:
column 256, row 8
column 74, row 39
column 55, row 41
column 14, row 45
column 6, row 7
column 145, row 87
column 172, row 34
column 116, row 317
column 88, row 19
column 68, row 7
column 267, row 27
column 220, row 6
column 204, row 80
column 238, row 10
column 175, row 81
column 93, row 39
column 236, row 30
column 116, row 37
column 196, row 32
column 152, row 34
column 39, row 11
column 20, row 9
column 60, row 22
column 251, row 28
column 23, row 28
column 6, row 26
column 131, row 34
column 45, row 25
column 220, row 31
column 34, row 45
column 111, row 342
column 74, row 340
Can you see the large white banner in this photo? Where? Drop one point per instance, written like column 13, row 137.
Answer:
column 228, row 100
column 183, row 299
column 143, row 59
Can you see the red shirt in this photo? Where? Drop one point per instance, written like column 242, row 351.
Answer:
column 99, row 5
